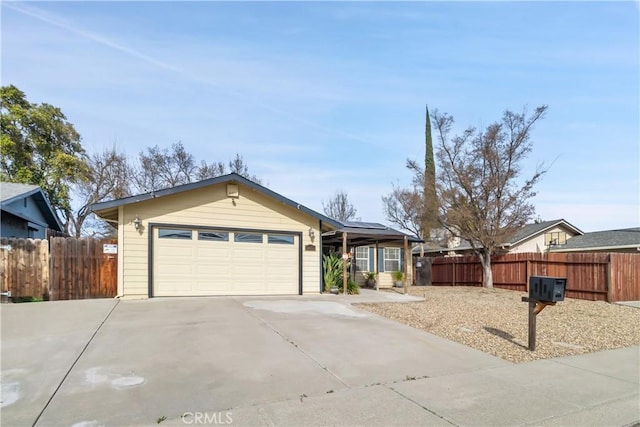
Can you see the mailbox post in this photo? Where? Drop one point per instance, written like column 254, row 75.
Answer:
column 543, row 291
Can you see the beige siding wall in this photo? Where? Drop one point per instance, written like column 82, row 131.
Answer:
column 385, row 279
column 210, row 206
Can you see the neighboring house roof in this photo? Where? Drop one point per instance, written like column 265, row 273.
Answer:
column 230, row 178
column 626, row 238
column 366, row 233
column 11, row 191
column 525, row 233
column 531, row 230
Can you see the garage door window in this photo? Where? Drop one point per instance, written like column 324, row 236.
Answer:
column 280, row 239
column 171, row 233
column 247, row 238
column 216, row 236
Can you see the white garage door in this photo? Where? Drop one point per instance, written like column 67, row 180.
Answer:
column 201, row 262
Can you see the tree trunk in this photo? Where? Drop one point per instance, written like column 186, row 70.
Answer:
column 487, row 275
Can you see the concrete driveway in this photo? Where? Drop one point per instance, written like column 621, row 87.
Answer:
column 281, row 361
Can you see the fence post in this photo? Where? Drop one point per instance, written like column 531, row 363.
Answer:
column 453, row 272
column 609, row 281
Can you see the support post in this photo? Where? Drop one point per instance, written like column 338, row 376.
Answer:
column 344, row 262
column 406, row 263
column 532, row 325
column 377, row 263
column 535, row 307
column 609, row 281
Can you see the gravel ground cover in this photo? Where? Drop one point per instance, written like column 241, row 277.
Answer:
column 495, row 321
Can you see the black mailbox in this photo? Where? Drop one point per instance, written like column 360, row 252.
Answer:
column 549, row 289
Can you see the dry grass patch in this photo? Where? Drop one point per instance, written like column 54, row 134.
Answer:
column 495, row 321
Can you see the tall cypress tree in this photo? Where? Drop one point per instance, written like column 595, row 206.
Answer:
column 430, row 210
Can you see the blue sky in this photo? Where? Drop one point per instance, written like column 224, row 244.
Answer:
column 320, row 96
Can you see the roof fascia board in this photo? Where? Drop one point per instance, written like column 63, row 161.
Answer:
column 51, row 212
column 544, row 230
column 43, row 205
column 21, row 196
column 24, row 217
column 233, row 177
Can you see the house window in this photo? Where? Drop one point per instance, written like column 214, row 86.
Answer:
column 174, row 233
column 247, row 237
column 217, row 236
column 280, row 239
column 391, row 259
column 555, row 238
column 362, row 258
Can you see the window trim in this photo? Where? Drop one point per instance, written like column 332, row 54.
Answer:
column 223, row 233
column 361, row 258
column 248, row 233
column 285, row 239
column 387, row 258
column 560, row 237
column 177, row 236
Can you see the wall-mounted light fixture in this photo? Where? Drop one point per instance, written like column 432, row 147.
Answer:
column 312, row 234
column 137, row 223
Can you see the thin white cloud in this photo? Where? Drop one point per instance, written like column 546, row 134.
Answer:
column 55, row 20
column 59, row 22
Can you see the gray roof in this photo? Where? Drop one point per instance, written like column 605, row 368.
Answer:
column 530, row 230
column 367, row 225
column 11, row 191
column 526, row 232
column 602, row 240
column 230, row 178
column 366, row 233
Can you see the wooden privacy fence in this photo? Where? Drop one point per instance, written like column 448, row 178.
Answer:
column 591, row 276
column 24, row 267
column 60, row 268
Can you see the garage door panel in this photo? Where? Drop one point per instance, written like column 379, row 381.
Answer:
column 214, row 286
column 248, row 253
column 213, row 271
column 178, row 287
column 175, row 270
column 176, row 252
column 213, row 263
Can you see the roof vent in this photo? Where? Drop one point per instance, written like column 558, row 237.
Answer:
column 233, row 191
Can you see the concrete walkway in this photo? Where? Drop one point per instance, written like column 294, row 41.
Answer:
column 283, row 361
column 369, row 296
column 635, row 304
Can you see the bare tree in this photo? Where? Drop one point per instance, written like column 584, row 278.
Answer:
column 483, row 198
column 339, row 207
column 237, row 165
column 108, row 178
column 164, row 168
column 404, row 207
column 160, row 168
column 211, row 170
